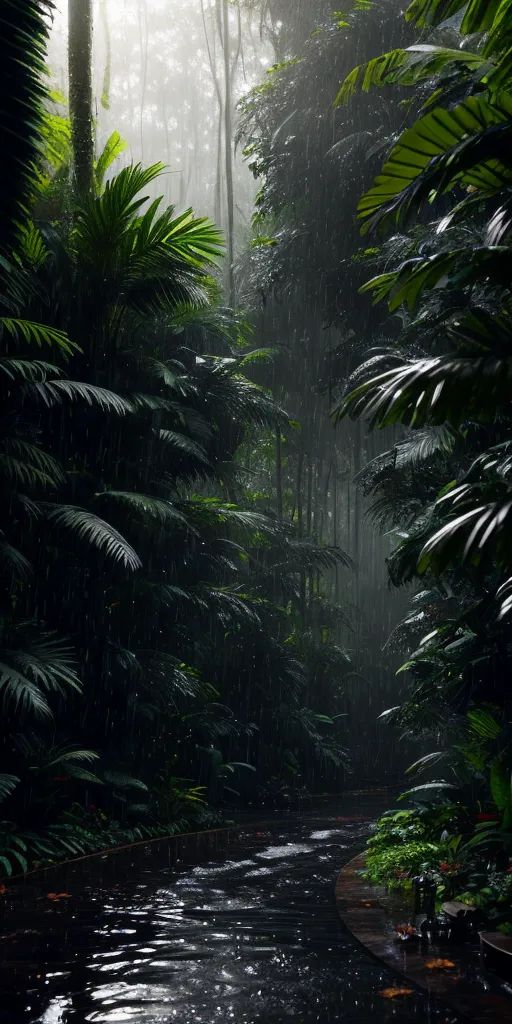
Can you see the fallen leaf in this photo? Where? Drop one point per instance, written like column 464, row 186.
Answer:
column 56, row 896
column 406, row 930
column 3, row 890
column 396, row 993
column 440, row 965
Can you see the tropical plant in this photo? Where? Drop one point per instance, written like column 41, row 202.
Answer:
column 445, row 377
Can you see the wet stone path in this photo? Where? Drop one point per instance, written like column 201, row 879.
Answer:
column 252, row 936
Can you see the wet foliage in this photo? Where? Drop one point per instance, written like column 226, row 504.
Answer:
column 199, row 505
column 164, row 647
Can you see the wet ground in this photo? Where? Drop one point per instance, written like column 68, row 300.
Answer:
column 252, row 936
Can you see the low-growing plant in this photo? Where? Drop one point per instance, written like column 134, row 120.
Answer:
column 396, row 865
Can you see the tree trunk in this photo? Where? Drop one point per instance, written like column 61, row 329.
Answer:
column 107, row 74
column 279, row 474
column 228, row 141
column 80, row 95
column 212, row 59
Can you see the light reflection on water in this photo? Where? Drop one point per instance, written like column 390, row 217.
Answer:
column 232, row 940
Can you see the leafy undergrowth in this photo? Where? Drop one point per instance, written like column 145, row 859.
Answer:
column 466, row 855
column 408, row 841
column 80, row 832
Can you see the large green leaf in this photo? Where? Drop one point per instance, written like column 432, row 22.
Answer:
column 479, row 15
column 469, row 143
column 500, row 784
column 483, row 723
column 477, row 527
column 407, row 67
column 440, row 389
column 456, row 268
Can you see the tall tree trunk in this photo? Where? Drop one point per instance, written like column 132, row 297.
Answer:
column 107, row 74
column 143, row 33
column 309, row 506
column 228, row 141
column 279, row 474
column 80, row 95
column 212, row 59
column 300, row 531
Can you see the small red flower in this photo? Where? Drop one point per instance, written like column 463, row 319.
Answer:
column 448, row 867
column 487, row 817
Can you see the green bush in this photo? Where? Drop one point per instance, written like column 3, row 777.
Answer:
column 395, row 865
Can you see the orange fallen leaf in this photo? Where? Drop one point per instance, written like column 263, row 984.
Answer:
column 439, row 965
column 407, row 930
column 395, row 993
column 56, row 896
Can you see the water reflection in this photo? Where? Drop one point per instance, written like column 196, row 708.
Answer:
column 252, row 938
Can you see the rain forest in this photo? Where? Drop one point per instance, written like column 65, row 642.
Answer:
column 256, row 528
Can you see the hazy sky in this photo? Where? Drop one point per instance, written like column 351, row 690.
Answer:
column 157, row 89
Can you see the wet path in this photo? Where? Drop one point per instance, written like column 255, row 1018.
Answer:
column 252, row 937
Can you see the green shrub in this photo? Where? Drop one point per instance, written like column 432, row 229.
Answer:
column 395, row 865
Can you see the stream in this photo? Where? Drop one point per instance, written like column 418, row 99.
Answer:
column 250, row 936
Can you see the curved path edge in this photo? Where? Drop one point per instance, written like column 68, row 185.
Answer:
column 366, row 911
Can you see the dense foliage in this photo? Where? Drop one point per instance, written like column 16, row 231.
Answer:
column 443, row 200
column 154, row 658
column 175, row 599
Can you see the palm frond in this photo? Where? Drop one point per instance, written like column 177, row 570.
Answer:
column 114, row 146
column 48, row 660
column 14, row 561
column 53, row 392
column 40, row 664
column 229, row 608
column 95, row 531
column 8, row 784
column 121, row 780
column 29, row 370
column 456, row 269
column 172, row 677
column 424, row 445
column 407, row 67
column 37, row 334
column 147, row 506
column 478, row 527
column 213, row 513
column 436, row 390
column 468, row 143
column 26, row 464
column 24, row 38
column 479, row 15
column 183, row 444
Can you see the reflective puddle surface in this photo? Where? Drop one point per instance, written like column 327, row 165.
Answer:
column 251, row 936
